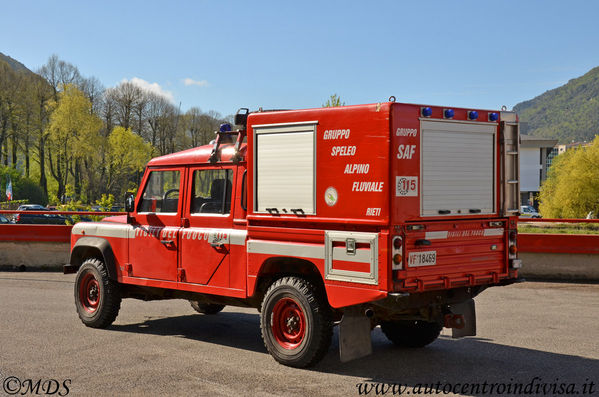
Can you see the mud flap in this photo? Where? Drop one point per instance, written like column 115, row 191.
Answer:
column 468, row 311
column 354, row 335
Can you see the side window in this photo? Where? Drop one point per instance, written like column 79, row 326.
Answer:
column 161, row 193
column 211, row 191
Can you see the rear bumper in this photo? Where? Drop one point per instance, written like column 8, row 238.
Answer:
column 435, row 283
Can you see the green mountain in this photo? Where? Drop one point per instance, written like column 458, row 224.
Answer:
column 14, row 64
column 568, row 113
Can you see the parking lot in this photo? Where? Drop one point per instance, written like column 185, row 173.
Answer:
column 530, row 332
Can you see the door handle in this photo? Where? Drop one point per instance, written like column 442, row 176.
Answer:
column 168, row 243
column 217, row 245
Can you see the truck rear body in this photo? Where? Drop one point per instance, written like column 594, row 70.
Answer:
column 386, row 171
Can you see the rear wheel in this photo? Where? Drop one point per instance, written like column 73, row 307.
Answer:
column 411, row 333
column 296, row 322
column 206, row 308
column 97, row 297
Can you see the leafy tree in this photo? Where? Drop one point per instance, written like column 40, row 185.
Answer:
column 572, row 186
column 333, row 101
column 73, row 137
column 127, row 156
column 22, row 188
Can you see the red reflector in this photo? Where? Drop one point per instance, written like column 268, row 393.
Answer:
column 397, row 259
column 513, row 249
column 513, row 235
column 397, row 243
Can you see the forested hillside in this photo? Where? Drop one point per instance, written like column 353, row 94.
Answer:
column 568, row 113
column 77, row 139
column 14, row 64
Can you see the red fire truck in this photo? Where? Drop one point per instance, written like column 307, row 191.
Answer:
column 385, row 214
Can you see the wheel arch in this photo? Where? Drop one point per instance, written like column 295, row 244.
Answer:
column 277, row 267
column 94, row 247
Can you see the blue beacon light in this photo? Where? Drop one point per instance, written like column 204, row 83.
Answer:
column 427, row 112
column 225, row 127
column 448, row 113
column 493, row 116
column 473, row 115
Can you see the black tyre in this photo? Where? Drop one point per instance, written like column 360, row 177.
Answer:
column 97, row 297
column 296, row 324
column 206, row 308
column 411, row 333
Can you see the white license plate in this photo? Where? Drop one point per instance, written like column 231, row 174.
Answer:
column 423, row 258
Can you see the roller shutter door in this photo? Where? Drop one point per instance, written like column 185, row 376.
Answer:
column 458, row 168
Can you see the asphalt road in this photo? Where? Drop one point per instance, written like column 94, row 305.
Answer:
column 544, row 330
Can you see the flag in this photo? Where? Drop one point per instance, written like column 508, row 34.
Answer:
column 9, row 190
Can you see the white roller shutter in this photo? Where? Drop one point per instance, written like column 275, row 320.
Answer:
column 458, row 168
column 284, row 164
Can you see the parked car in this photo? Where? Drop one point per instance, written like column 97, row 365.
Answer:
column 47, row 219
column 32, row 207
column 528, row 211
column 4, row 220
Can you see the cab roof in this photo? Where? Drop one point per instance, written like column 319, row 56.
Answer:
column 197, row 155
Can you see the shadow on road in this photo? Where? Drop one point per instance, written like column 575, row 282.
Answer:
column 472, row 360
column 238, row 330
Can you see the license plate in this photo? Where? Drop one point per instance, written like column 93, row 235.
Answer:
column 423, row 258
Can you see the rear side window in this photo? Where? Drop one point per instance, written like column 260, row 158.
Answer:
column 211, row 191
column 161, row 193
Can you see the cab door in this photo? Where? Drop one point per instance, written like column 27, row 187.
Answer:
column 154, row 244
column 205, row 242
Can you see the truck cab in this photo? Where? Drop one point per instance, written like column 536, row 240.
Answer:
column 385, row 214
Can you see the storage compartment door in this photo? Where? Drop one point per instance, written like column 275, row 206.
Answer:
column 351, row 257
column 284, row 160
column 458, row 168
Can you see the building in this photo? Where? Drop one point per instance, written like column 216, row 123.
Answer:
column 534, row 161
column 559, row 149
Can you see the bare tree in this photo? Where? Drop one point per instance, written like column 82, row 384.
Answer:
column 94, row 91
column 59, row 73
column 162, row 119
column 125, row 98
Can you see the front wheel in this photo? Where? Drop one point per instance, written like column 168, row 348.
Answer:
column 295, row 320
column 97, row 297
column 411, row 333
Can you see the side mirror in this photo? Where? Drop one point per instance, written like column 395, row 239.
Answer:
column 129, row 202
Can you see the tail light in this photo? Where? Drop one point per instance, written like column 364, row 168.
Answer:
column 515, row 263
column 17, row 218
column 397, row 253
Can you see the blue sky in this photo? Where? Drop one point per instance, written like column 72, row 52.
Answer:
column 281, row 54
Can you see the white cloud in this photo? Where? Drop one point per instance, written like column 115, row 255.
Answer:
column 199, row 83
column 152, row 87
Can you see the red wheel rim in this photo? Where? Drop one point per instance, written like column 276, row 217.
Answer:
column 89, row 292
column 288, row 323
